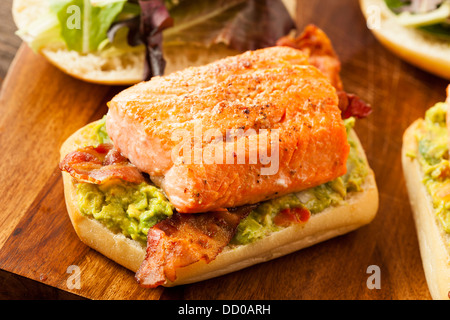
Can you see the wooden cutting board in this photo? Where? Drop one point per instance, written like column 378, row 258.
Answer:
column 40, row 107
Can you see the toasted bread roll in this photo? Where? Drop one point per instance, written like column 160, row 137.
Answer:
column 125, row 69
column 359, row 209
column 422, row 50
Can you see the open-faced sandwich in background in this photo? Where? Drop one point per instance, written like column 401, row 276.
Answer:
column 418, row 31
column 136, row 192
column 126, row 41
column 426, row 167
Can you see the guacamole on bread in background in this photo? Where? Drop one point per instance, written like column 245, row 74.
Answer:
column 432, row 138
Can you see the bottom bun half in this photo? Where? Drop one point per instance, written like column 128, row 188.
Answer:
column 433, row 241
column 360, row 209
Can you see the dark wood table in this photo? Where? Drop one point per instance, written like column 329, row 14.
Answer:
column 9, row 42
column 33, row 217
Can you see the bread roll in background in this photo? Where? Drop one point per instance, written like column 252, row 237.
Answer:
column 433, row 241
column 126, row 69
column 422, row 50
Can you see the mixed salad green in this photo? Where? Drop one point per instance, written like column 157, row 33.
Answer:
column 81, row 25
column 430, row 16
column 112, row 27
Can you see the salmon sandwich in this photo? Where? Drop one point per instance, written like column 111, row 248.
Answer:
column 215, row 168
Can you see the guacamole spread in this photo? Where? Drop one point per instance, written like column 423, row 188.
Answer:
column 124, row 207
column 432, row 138
column 129, row 208
column 133, row 209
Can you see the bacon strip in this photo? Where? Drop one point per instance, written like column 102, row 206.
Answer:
column 317, row 46
column 185, row 239
column 352, row 106
column 287, row 217
column 100, row 164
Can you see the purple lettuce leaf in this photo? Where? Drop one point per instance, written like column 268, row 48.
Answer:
column 240, row 24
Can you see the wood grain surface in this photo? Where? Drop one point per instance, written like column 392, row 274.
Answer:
column 40, row 107
column 9, row 42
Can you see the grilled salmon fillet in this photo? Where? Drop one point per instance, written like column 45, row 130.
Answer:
column 283, row 109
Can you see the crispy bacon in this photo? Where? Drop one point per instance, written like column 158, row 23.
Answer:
column 185, row 239
column 352, row 106
column 317, row 46
column 287, row 217
column 100, row 164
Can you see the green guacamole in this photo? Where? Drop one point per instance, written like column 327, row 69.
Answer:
column 133, row 209
column 259, row 222
column 432, row 155
column 124, row 207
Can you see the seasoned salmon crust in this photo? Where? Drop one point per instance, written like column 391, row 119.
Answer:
column 241, row 130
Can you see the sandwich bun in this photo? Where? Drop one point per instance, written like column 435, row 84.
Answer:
column 433, row 241
column 126, row 69
column 418, row 48
column 359, row 209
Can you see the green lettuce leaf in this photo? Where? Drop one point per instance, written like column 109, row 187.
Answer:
column 84, row 25
column 395, row 5
column 43, row 31
column 434, row 22
column 441, row 31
